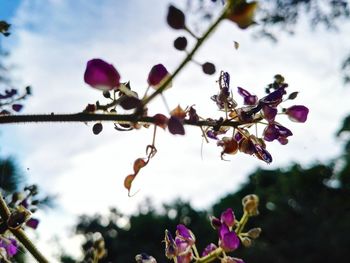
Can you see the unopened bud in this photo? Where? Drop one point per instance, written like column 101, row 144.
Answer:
column 144, row 258
column 215, row 222
column 254, row 233
column 250, row 204
column 246, row 241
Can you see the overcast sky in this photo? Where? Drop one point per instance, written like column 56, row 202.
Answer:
column 50, row 45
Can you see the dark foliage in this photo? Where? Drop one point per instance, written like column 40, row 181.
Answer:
column 10, row 177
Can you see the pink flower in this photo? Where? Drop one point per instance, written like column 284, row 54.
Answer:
column 101, row 75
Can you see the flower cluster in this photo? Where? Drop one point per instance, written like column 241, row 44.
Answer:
column 20, row 207
column 254, row 112
column 182, row 248
column 264, row 111
column 8, row 248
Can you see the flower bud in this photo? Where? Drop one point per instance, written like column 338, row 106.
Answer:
column 228, row 217
column 250, row 204
column 175, row 18
column 144, row 258
column 297, row 113
column 171, row 249
column 246, row 241
column 215, row 222
column 161, row 120
column 157, row 76
column 243, row 14
column 254, row 233
column 101, row 75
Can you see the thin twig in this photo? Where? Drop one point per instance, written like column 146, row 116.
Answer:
column 188, row 58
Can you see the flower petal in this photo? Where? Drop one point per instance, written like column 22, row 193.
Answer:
column 228, row 217
column 269, row 113
column 185, row 233
column 229, row 240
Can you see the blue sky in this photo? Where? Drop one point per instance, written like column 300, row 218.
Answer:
column 8, row 8
column 50, row 45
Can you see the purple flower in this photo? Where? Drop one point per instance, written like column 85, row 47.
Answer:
column 17, row 107
column 228, row 240
column 223, row 99
column 262, row 153
column 101, row 75
column 181, row 246
column 170, row 245
column 269, row 113
column 212, row 135
column 10, row 245
column 184, row 251
column 297, row 113
column 275, row 132
column 248, row 98
column 238, row 136
column 228, row 217
column 157, row 74
column 32, row 223
column 186, row 234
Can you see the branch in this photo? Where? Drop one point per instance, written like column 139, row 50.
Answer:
column 92, row 117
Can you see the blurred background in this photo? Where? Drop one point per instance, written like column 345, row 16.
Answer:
column 305, row 208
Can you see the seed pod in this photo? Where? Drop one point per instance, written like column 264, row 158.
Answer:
column 180, row 43
column 97, row 128
column 208, row 68
column 175, row 18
